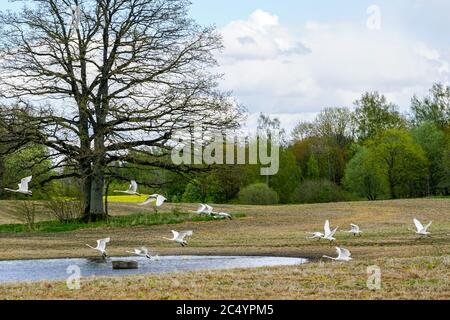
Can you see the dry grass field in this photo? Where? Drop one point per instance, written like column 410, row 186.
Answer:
column 412, row 268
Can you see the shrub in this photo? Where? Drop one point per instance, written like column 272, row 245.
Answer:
column 64, row 210
column 258, row 194
column 319, row 191
column 26, row 211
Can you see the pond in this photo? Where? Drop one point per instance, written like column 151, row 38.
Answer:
column 58, row 269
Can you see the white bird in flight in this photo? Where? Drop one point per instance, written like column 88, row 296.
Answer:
column 327, row 235
column 141, row 252
column 23, row 187
column 179, row 237
column 101, row 246
column 421, row 230
column 343, row 255
column 156, row 198
column 132, row 189
column 355, row 229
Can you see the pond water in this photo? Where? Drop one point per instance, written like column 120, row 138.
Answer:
column 58, row 269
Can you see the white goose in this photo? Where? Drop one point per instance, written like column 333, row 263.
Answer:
column 355, row 229
column 179, row 237
column 132, row 189
column 23, row 187
column 142, row 252
column 343, row 255
column 101, row 246
column 421, row 230
column 154, row 198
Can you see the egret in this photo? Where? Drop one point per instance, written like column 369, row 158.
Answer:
column 421, row 230
column 101, row 246
column 343, row 255
column 355, row 229
column 23, row 187
column 179, row 237
column 156, row 198
column 142, row 252
column 132, row 189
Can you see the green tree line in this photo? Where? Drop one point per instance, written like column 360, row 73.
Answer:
column 370, row 151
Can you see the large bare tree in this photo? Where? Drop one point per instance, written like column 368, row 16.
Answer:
column 101, row 82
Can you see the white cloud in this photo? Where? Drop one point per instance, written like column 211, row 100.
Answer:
column 283, row 70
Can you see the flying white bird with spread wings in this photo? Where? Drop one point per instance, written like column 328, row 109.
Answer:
column 343, row 255
column 421, row 230
column 179, row 237
column 154, row 198
column 327, row 235
column 23, row 187
column 101, row 246
column 141, row 252
column 132, row 189
column 355, row 229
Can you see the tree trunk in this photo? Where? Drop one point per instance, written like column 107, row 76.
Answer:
column 86, row 195
column 97, row 211
column 2, row 172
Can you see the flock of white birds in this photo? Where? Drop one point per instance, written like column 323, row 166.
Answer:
column 179, row 237
column 344, row 254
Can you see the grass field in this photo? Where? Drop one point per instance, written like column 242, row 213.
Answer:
column 411, row 268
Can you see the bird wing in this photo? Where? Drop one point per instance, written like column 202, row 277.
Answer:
column 332, row 233
column 201, row 208
column 160, row 200
column 345, row 253
column 133, row 187
column 101, row 244
column 209, row 209
column 326, row 228
column 419, row 225
column 141, row 251
column 176, row 234
column 355, row 228
column 24, row 183
column 149, row 200
column 339, row 252
column 428, row 225
column 184, row 234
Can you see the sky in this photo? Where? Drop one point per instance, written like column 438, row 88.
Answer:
column 292, row 58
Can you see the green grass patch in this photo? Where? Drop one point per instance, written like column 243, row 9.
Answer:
column 137, row 219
